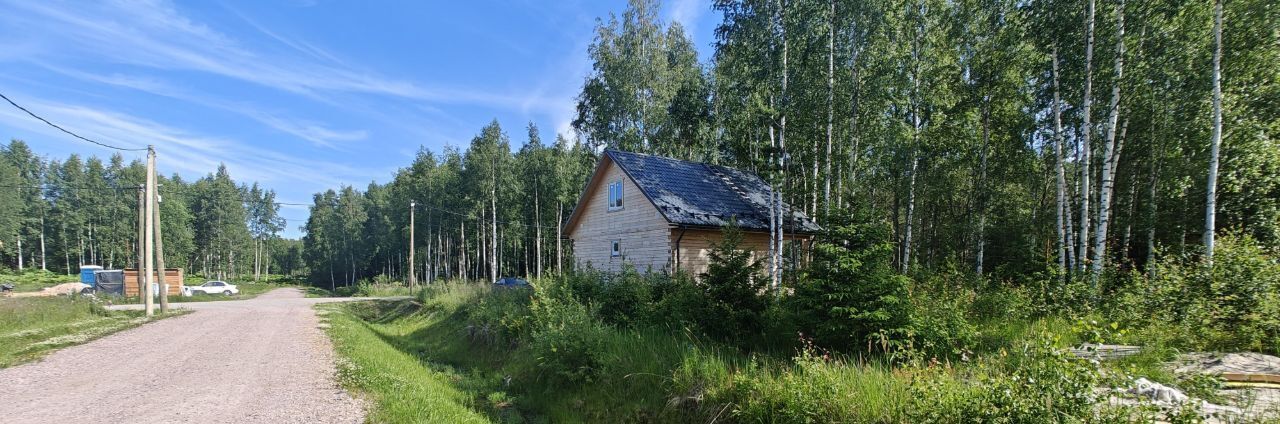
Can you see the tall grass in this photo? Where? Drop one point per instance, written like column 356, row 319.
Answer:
column 648, row 374
column 31, row 327
column 520, row 355
column 400, row 386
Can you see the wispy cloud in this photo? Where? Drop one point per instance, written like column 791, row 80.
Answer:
column 313, row 132
column 155, row 35
column 687, row 13
column 309, row 130
column 182, row 151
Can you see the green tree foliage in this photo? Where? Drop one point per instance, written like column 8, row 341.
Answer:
column 647, row 91
column 81, row 211
column 734, row 288
column 852, row 291
column 483, row 212
column 1229, row 305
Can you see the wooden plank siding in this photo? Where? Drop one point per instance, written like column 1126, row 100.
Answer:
column 172, row 276
column 642, row 230
column 695, row 248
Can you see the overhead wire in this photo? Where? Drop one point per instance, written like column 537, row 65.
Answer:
column 46, row 121
column 56, row 126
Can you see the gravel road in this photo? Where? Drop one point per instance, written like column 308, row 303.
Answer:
column 262, row 360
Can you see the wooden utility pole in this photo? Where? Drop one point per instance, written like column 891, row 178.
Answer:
column 413, row 277
column 164, row 285
column 149, row 232
column 142, row 235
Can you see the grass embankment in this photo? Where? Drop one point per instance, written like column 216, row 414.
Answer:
column 419, row 360
column 31, row 327
column 463, row 352
column 401, row 386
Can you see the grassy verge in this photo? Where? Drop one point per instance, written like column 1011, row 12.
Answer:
column 464, row 351
column 32, row 327
column 405, row 354
column 401, row 386
column 33, row 280
column 247, row 291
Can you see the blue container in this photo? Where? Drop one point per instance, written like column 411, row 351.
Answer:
column 86, row 274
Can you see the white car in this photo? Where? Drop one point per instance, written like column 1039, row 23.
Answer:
column 212, row 287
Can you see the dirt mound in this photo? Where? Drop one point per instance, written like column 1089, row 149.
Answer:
column 1228, row 363
column 61, row 289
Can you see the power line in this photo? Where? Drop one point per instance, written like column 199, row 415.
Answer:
column 33, row 115
column 476, row 218
column 58, row 187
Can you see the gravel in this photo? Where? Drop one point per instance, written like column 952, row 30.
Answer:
column 262, row 360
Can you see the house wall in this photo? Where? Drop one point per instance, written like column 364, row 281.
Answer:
column 641, row 228
column 695, row 248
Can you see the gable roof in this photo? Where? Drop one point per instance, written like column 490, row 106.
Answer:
column 698, row 194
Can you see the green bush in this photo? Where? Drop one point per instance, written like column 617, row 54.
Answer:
column 501, row 317
column 567, row 339
column 735, row 290
column 938, row 326
column 625, row 299
column 1233, row 304
column 1038, row 382
column 678, row 302
column 851, row 290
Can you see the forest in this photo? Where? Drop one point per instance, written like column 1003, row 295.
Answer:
column 58, row 214
column 1004, row 186
column 1011, row 140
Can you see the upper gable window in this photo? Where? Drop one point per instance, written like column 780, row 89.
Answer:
column 615, row 195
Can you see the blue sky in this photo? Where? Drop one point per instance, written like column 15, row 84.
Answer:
column 298, row 95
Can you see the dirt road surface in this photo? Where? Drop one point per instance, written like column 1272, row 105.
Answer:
column 262, row 360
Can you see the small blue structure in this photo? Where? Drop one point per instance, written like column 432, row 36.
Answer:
column 87, row 274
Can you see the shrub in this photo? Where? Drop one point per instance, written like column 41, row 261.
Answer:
column 677, row 301
column 501, row 317
column 1232, row 304
column 938, row 324
column 734, row 289
column 567, row 339
column 625, row 299
column 851, row 290
column 1037, row 383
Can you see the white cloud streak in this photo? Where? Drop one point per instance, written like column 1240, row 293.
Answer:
column 190, row 154
column 152, row 33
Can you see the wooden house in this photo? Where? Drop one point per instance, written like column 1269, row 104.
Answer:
column 661, row 214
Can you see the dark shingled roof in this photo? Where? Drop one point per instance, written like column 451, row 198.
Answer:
column 704, row 195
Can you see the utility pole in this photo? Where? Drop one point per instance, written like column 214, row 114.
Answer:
column 149, row 235
column 142, row 235
column 164, row 285
column 413, row 277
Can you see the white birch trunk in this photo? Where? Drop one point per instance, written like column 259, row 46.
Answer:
column 982, row 195
column 831, row 92
column 44, row 265
column 1110, row 155
column 537, row 228
column 1060, row 170
column 1211, row 195
column 1083, row 154
column 559, row 238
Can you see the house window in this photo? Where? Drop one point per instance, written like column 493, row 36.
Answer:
column 615, row 248
column 615, row 195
